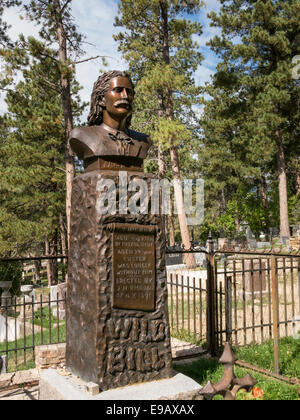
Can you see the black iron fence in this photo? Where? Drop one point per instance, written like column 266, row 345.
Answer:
column 257, row 297
column 234, row 295
column 32, row 308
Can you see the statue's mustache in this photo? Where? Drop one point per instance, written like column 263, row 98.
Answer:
column 123, row 102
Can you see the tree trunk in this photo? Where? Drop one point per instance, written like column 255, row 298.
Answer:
column 283, row 192
column 263, row 191
column 297, row 176
column 171, row 224
column 63, row 235
column 67, row 109
column 37, row 272
column 237, row 223
column 64, row 250
column 185, row 236
column 50, row 250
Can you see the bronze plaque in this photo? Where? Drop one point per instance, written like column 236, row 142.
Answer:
column 133, row 267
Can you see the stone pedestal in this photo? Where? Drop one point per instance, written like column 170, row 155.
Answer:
column 6, row 298
column 54, row 387
column 117, row 316
column 26, row 302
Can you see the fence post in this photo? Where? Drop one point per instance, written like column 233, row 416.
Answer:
column 275, row 305
column 228, row 308
column 211, row 298
column 299, row 282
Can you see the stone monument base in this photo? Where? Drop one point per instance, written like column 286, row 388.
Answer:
column 54, row 387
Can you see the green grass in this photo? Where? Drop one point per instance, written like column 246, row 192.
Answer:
column 262, row 355
column 16, row 359
column 42, row 318
column 189, row 337
column 259, row 355
column 210, row 369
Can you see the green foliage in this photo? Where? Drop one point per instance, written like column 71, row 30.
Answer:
column 31, row 160
column 294, row 206
column 12, row 271
column 4, row 40
column 251, row 112
column 162, row 61
column 33, row 132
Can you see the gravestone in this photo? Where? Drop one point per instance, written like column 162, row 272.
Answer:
column 255, row 279
column 223, row 243
column 117, row 317
column 53, row 296
column 174, row 259
column 3, row 367
column 252, row 243
column 201, row 259
column 263, row 245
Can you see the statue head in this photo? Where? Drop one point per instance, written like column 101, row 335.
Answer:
column 101, row 88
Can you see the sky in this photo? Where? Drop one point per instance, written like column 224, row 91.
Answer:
column 95, row 19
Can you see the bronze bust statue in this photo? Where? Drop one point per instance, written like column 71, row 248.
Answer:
column 108, row 143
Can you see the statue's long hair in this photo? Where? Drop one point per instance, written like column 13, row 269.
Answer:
column 101, row 87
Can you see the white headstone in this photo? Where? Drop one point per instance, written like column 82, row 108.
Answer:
column 3, row 365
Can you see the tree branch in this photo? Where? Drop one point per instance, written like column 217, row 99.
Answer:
column 91, row 58
column 64, row 6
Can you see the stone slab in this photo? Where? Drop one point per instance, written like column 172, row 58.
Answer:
column 54, row 387
column 182, row 349
column 20, row 394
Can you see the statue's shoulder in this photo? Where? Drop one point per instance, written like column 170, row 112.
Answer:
column 84, row 139
column 84, row 133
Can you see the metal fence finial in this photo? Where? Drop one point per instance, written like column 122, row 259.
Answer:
column 229, row 385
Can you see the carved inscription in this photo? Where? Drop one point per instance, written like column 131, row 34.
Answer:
column 134, row 268
column 139, row 360
column 145, row 358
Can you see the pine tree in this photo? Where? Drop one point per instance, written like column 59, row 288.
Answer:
column 32, row 158
column 258, row 43
column 4, row 39
column 58, row 26
column 158, row 44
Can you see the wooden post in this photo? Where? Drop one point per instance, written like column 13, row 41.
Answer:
column 275, row 306
column 211, row 299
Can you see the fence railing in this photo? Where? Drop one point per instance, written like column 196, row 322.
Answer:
column 252, row 293
column 32, row 308
column 27, row 322
column 187, row 304
column 242, row 296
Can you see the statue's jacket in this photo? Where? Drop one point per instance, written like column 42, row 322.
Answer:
column 102, row 141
